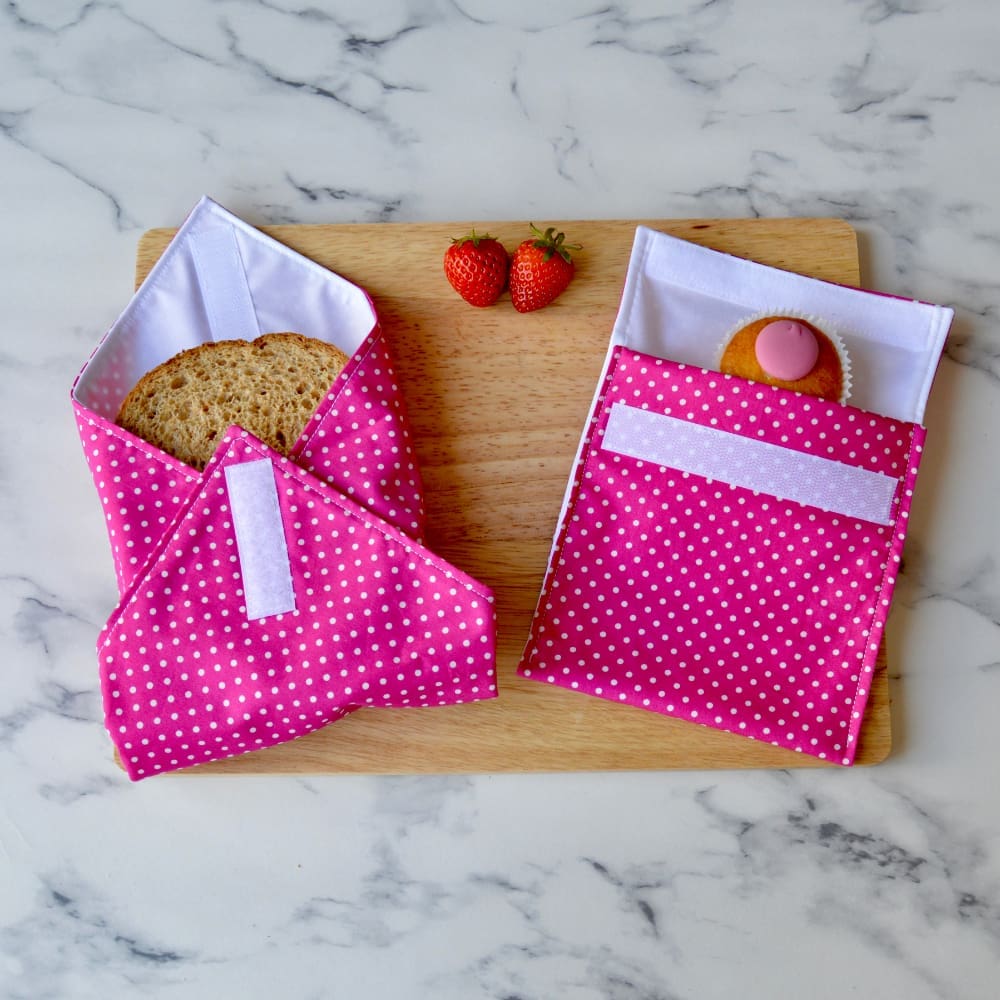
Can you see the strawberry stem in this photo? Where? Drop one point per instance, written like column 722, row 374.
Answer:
column 474, row 237
column 553, row 243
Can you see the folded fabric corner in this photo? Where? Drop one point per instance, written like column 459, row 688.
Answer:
column 267, row 596
column 274, row 606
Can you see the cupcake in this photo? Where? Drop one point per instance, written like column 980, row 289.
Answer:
column 790, row 352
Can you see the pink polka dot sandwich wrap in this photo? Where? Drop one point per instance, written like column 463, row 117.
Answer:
column 376, row 621
column 693, row 585
column 267, row 596
column 727, row 550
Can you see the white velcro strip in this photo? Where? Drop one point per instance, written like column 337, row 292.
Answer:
column 260, row 539
column 223, row 283
column 750, row 463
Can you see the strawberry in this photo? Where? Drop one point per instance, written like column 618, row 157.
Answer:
column 476, row 267
column 541, row 269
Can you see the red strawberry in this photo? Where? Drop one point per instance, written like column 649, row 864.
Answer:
column 541, row 269
column 476, row 266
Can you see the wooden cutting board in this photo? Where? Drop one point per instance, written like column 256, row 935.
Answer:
column 498, row 401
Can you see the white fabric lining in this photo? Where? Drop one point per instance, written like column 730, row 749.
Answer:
column 681, row 299
column 289, row 292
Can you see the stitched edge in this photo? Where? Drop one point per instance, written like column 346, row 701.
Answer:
column 333, row 394
column 904, row 479
column 871, row 652
column 416, row 517
column 135, row 443
column 541, row 613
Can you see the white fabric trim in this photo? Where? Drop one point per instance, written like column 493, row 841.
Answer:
column 750, row 463
column 223, row 283
column 260, row 539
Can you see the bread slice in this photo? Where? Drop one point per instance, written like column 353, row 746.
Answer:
column 270, row 387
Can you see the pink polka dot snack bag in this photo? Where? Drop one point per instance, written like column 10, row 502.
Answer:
column 729, row 541
column 266, row 596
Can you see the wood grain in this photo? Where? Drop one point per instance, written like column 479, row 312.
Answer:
column 497, row 401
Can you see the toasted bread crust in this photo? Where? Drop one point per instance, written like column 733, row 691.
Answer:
column 270, row 386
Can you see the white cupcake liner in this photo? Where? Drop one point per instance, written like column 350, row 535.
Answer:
column 820, row 324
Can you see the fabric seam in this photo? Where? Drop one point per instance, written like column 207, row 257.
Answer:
column 871, row 652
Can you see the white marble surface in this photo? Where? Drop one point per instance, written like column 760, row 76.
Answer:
column 117, row 116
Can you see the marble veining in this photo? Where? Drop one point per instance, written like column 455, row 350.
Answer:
column 116, row 116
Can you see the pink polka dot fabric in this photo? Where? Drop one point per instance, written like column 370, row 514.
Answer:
column 713, row 602
column 253, row 611
column 358, row 441
column 140, row 488
column 379, row 621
